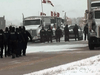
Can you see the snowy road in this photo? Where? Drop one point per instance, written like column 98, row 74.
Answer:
column 55, row 47
column 88, row 66
column 44, row 57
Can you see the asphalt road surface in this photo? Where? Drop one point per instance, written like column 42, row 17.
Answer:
column 43, row 60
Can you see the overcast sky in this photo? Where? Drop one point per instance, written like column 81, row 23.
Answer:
column 13, row 9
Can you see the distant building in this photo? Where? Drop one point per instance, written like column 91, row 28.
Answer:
column 2, row 22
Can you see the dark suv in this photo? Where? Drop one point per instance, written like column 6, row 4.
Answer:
column 71, row 32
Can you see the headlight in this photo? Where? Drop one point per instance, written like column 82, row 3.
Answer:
column 71, row 30
column 79, row 30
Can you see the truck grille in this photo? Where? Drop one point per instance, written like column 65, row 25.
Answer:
column 32, row 32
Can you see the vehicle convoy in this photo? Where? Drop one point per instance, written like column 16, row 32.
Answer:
column 33, row 24
column 93, row 20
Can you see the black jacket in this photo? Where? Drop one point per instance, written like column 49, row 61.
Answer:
column 58, row 32
column 49, row 32
column 86, row 29
column 26, row 35
column 75, row 29
column 66, row 30
column 42, row 33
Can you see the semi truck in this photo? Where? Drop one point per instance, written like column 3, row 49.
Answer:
column 93, row 20
column 33, row 24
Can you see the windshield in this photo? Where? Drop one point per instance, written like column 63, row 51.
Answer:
column 97, row 14
column 95, row 5
column 32, row 22
column 72, row 27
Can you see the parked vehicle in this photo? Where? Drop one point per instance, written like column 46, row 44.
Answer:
column 71, row 32
column 33, row 24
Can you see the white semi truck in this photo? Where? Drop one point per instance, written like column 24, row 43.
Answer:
column 33, row 24
column 93, row 21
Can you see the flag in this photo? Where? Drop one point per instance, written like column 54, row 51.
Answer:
column 47, row 1
column 44, row 1
column 58, row 14
column 42, row 13
column 51, row 13
column 55, row 14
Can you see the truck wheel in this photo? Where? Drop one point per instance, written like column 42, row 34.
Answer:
column 91, row 47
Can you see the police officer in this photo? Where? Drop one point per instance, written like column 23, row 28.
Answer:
column 58, row 34
column 85, row 31
column 75, row 29
column 26, row 34
column 9, row 46
column 6, row 43
column 1, row 42
column 49, row 34
column 21, row 40
column 66, row 31
column 13, row 42
column 43, row 34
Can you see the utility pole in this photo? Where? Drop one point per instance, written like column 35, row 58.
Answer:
column 42, row 13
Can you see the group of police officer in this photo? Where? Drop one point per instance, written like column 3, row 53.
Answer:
column 14, row 41
column 47, row 35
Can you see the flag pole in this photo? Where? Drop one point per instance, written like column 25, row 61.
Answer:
column 42, row 12
column 23, row 18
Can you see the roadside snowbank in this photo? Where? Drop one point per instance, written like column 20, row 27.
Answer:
column 53, row 48
column 88, row 66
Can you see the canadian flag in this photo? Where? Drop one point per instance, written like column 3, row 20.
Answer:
column 47, row 1
column 44, row 1
column 58, row 14
column 51, row 13
column 55, row 14
column 42, row 13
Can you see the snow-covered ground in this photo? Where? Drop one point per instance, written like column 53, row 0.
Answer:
column 53, row 48
column 89, row 66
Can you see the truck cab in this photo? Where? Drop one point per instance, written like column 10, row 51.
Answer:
column 94, row 25
column 33, row 26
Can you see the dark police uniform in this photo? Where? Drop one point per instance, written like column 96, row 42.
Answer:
column 13, row 42
column 58, row 34
column 49, row 34
column 42, row 35
column 1, row 42
column 26, row 34
column 85, row 31
column 66, row 31
column 75, row 29
column 6, row 42
column 19, row 42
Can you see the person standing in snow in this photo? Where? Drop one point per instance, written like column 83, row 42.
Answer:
column 49, row 34
column 66, row 31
